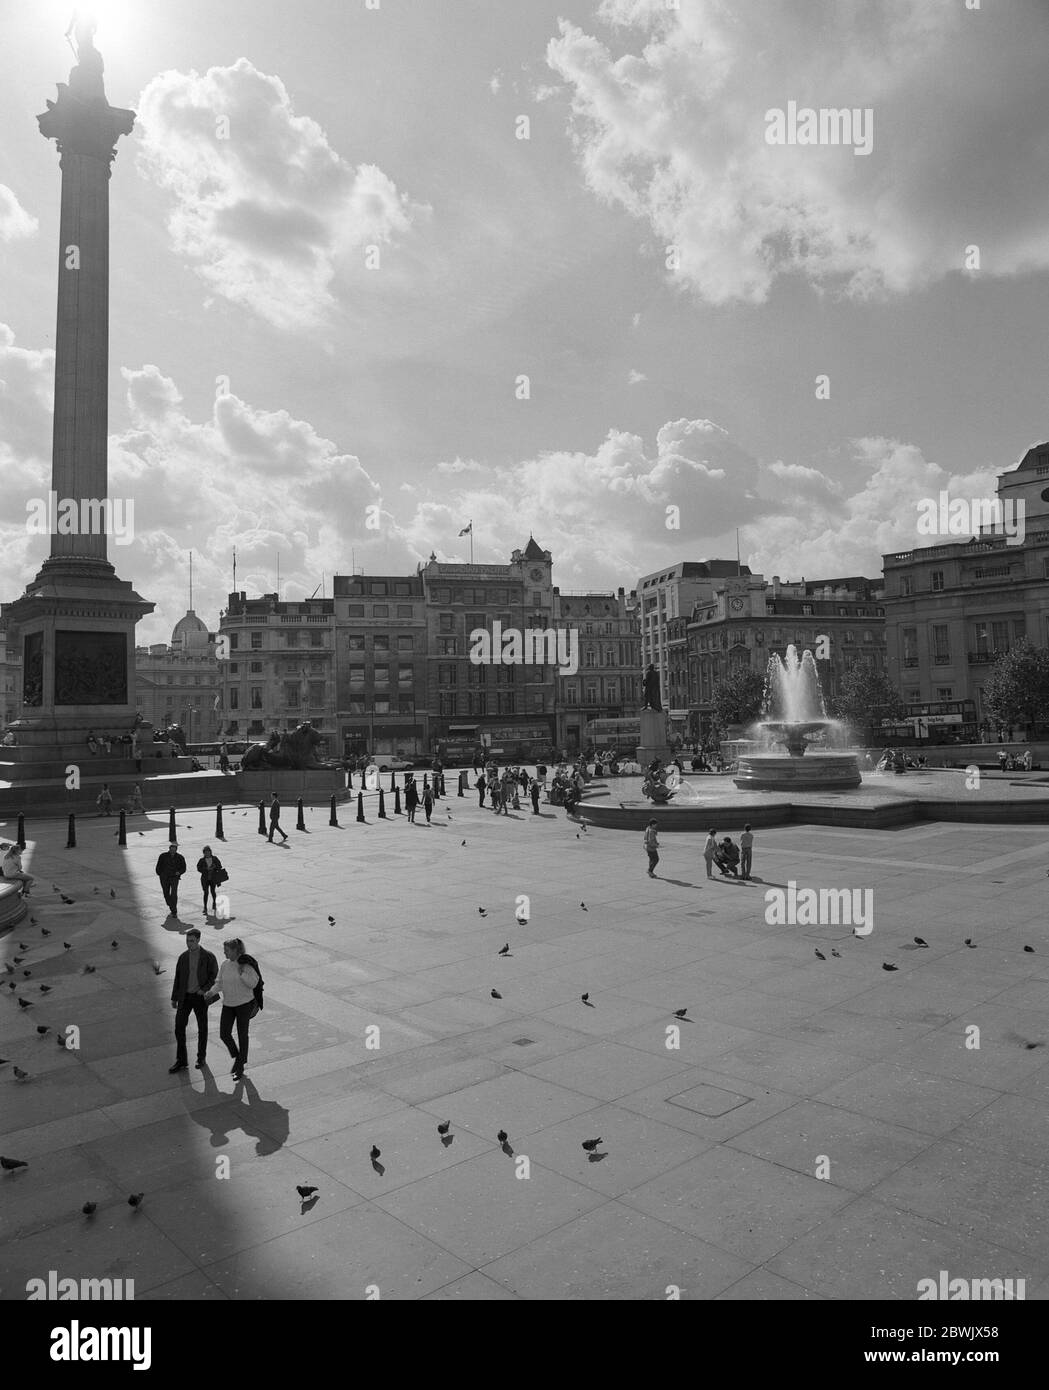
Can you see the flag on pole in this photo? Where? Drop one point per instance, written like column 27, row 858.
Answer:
column 218, row 702
column 467, row 530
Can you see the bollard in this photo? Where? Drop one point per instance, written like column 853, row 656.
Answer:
column 393, row 780
column 397, row 802
column 333, row 819
column 20, row 842
column 71, row 841
column 300, row 824
column 171, row 824
column 349, row 779
column 382, row 805
column 462, row 783
column 219, row 835
column 262, row 818
column 360, row 805
column 122, row 832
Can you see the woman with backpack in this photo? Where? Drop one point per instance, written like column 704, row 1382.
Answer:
column 240, row 985
column 209, row 866
column 411, row 799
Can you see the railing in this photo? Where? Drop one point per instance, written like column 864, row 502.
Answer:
column 983, row 658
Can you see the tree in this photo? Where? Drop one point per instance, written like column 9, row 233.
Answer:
column 866, row 697
column 737, row 699
column 1017, row 689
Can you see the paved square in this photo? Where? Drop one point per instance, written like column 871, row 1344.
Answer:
column 810, row 1129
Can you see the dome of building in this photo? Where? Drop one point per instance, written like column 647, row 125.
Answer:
column 190, row 633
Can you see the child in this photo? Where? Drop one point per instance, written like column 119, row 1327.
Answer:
column 651, row 848
column 105, row 801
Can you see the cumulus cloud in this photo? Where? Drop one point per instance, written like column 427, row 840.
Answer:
column 675, row 135
column 264, row 207
column 15, row 222
column 458, row 465
column 635, row 377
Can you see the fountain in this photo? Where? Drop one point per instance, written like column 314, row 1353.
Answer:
column 794, row 700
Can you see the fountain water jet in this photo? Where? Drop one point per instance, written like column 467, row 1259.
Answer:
column 794, row 700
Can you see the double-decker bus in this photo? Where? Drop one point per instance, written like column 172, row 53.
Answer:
column 623, row 735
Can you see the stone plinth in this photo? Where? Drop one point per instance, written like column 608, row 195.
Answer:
column 653, row 743
column 319, row 783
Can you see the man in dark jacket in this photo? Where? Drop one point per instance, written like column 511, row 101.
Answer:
column 195, row 974
column 275, row 824
column 170, row 868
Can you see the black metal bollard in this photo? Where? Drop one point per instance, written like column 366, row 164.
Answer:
column 20, row 842
column 219, row 834
column 349, row 779
column 122, row 832
column 462, row 783
column 382, row 806
column 262, row 818
column 360, row 805
column 393, row 780
column 300, row 824
column 71, row 841
column 171, row 824
column 397, row 802
column 333, row 819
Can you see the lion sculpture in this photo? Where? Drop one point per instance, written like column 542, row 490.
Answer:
column 294, row 750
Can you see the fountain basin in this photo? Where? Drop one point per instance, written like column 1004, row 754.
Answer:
column 813, row 772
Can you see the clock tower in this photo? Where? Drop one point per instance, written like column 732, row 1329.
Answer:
column 535, row 566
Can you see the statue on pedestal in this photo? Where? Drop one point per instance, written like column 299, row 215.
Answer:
column 651, row 689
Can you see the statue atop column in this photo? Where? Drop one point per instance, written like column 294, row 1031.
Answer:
column 85, row 80
column 651, row 689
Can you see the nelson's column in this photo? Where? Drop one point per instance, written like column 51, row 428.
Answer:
column 76, row 620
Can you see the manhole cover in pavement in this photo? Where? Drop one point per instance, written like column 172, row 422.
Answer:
column 523, row 1042
column 711, row 1101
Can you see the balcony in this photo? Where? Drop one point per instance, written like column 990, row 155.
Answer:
column 910, row 661
column 983, row 658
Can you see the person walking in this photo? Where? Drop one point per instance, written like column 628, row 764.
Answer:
column 136, row 749
column 237, row 978
column 170, row 868
column 195, row 974
column 481, row 785
column 710, row 849
column 411, row 799
column 223, row 757
column 135, row 805
column 12, row 869
column 209, row 866
column 534, row 789
column 104, row 801
column 427, row 800
column 506, row 791
column 493, row 789
column 652, row 847
column 92, row 742
column 746, row 851
column 275, row 819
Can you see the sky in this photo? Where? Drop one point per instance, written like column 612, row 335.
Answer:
column 353, row 308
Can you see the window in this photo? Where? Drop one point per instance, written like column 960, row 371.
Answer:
column 381, row 642
column 1019, row 629
column 355, row 643
column 446, row 646
column 316, row 693
column 355, row 610
column 475, row 621
column 910, row 646
column 806, row 610
column 945, row 692
column 378, row 588
column 357, row 705
column 256, row 641
column 610, row 656
column 442, row 595
column 405, row 704
column 356, row 677
column 937, row 581
column 291, row 639
column 380, row 610
column 589, row 657
column 591, row 693
column 571, row 693
column 406, row 642
column 868, row 636
column 446, row 703
column 401, row 588
column 537, row 598
column 905, row 586
column 234, row 698
column 446, row 674
column 255, row 668
column 404, row 610
column 537, row 702
column 256, row 697
column 612, row 687
column 405, row 675
column 941, row 650
column 316, row 639
column 291, row 695
column 446, row 622
column 1000, row 636
column 382, row 704
column 382, row 675
column 234, row 668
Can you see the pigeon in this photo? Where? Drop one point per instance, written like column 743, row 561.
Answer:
column 115, row 945
column 61, row 1042
column 483, row 911
column 68, row 901
column 886, row 966
column 89, row 970
column 680, row 1013
column 819, row 954
column 43, row 1029
column 89, row 1208
column 22, row 946
column 112, row 893
column 10, row 1164
column 12, row 986
column 444, row 1127
column 584, row 907
column 3, row 1061
column 18, row 959
column 331, row 921
column 970, row 943
column 586, row 1000
column 522, row 921
column 502, row 1136
column 1029, row 950
column 68, row 945
column 835, row 953
column 135, row 1200
column 591, row 1144
column 375, row 1152
column 506, row 950
column 21, row 1075
column 464, row 842
column 305, row 1192
column 920, row 941
column 26, row 974
column 45, row 989
column 94, row 890
column 24, row 1004
column 44, row 931
column 156, row 968
column 496, row 994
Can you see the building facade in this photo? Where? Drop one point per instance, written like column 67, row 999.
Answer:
column 381, row 665
column 181, row 683
column 953, row 607
column 673, row 593
column 10, row 679
column 608, row 682
column 503, row 706
column 748, row 618
column 280, row 668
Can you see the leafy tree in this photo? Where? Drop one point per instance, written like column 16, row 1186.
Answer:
column 1017, row 690
column 865, row 697
column 737, row 699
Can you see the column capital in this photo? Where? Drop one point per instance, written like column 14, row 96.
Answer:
column 85, row 126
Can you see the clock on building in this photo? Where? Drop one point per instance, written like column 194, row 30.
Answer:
column 537, row 575
column 737, row 605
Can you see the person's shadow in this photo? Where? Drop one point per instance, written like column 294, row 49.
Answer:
column 266, row 1121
